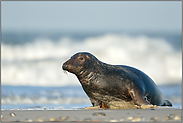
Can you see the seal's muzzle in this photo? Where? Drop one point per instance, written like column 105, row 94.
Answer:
column 65, row 66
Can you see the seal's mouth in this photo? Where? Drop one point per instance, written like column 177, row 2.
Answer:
column 64, row 71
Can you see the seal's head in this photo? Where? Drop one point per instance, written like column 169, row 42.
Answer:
column 79, row 62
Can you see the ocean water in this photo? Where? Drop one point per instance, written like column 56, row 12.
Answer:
column 34, row 97
column 32, row 78
column 69, row 97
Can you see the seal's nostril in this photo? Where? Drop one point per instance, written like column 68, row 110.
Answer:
column 64, row 66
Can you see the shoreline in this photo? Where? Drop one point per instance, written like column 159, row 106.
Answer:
column 81, row 115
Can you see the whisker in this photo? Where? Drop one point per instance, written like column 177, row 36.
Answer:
column 65, row 72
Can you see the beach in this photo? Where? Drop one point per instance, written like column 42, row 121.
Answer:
column 82, row 115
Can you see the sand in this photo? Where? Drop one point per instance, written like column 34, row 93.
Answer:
column 80, row 115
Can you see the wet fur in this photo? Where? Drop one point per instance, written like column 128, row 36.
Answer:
column 114, row 86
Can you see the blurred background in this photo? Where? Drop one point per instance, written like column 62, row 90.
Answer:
column 38, row 37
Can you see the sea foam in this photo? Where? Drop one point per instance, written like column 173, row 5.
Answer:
column 39, row 63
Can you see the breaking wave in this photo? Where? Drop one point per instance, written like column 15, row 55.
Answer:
column 38, row 63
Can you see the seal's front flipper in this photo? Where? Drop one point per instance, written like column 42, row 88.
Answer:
column 93, row 107
column 97, row 105
column 167, row 103
column 102, row 105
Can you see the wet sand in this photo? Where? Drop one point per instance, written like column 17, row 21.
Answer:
column 125, row 115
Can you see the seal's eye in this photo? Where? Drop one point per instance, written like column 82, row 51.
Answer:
column 81, row 58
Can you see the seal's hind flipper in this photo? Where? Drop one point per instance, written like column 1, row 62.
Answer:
column 167, row 103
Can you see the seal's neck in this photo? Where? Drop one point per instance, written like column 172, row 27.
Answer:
column 90, row 73
column 86, row 75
